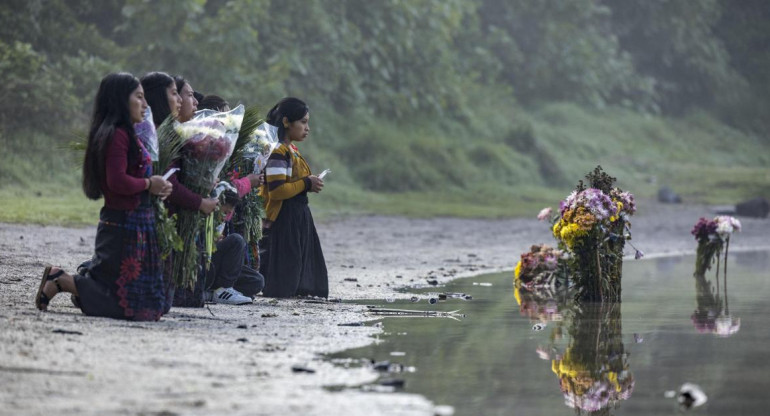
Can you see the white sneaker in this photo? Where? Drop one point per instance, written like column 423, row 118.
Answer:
column 230, row 296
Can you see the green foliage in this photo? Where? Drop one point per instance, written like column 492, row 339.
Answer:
column 557, row 50
column 418, row 101
column 675, row 44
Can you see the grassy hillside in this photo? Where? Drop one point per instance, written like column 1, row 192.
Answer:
column 503, row 161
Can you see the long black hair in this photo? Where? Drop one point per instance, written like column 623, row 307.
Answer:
column 291, row 108
column 155, row 85
column 111, row 111
column 212, row 102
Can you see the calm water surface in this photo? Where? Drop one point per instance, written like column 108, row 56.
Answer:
column 537, row 354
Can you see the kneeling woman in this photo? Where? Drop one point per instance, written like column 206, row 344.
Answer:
column 125, row 280
column 293, row 263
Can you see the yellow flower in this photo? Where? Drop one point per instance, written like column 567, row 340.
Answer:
column 517, row 270
column 570, row 233
column 557, row 228
column 620, row 208
column 517, row 294
column 613, row 379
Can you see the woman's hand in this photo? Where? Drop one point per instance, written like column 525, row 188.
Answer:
column 316, row 183
column 160, row 186
column 256, row 179
column 208, row 205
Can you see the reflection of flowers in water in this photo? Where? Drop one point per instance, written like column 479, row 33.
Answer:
column 727, row 325
column 539, row 277
column 539, row 305
column 711, row 315
column 591, row 392
column 594, row 370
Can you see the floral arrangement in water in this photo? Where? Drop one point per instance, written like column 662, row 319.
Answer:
column 712, row 236
column 712, row 314
column 591, row 213
column 539, row 267
column 538, row 276
column 593, row 226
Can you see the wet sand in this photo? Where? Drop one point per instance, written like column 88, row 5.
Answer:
column 233, row 360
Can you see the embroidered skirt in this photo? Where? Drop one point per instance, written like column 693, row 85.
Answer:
column 125, row 279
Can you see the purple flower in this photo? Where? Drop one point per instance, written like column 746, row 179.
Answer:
column 598, row 203
column 703, row 228
column 568, row 203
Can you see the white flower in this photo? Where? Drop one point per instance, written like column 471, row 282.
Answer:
column 726, row 225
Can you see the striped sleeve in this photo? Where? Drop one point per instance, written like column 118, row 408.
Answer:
column 278, row 175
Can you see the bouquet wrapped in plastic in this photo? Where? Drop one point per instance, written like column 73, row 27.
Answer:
column 209, row 139
column 255, row 143
column 262, row 143
column 161, row 156
column 207, row 142
column 145, row 131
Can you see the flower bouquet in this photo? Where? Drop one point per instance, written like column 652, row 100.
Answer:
column 255, row 143
column 163, row 149
column 542, row 266
column 208, row 141
column 593, row 227
column 712, row 314
column 712, row 236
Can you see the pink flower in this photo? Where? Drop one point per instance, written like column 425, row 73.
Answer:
column 544, row 214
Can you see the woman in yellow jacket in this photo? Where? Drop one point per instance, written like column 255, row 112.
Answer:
column 292, row 262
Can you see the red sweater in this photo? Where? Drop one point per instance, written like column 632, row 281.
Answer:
column 181, row 197
column 122, row 185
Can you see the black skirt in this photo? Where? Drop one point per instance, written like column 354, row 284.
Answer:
column 292, row 262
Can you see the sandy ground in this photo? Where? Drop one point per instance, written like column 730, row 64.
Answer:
column 227, row 360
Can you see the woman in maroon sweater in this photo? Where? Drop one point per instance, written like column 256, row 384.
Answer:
column 125, row 279
column 173, row 96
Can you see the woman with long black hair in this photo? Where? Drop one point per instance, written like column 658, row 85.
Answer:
column 125, row 278
column 293, row 263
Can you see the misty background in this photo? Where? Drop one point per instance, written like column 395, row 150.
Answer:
column 419, row 107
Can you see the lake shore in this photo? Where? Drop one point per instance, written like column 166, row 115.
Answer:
column 234, row 360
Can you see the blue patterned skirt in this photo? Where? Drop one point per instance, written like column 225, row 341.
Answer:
column 125, row 280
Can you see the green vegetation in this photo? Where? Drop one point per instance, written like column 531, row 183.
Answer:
column 483, row 108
